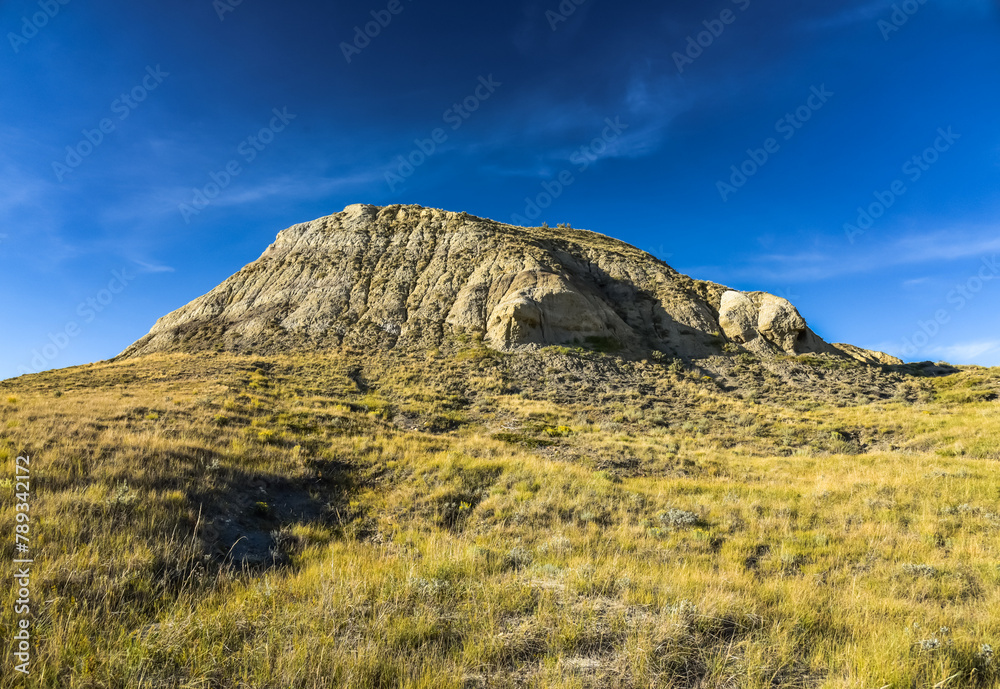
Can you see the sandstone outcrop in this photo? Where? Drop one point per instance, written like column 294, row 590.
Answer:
column 868, row 356
column 411, row 277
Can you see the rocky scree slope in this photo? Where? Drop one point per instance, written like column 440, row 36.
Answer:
column 414, row 277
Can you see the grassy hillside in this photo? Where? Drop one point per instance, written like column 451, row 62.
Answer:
column 560, row 519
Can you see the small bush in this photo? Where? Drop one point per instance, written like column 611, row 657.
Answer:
column 557, row 431
column 517, row 558
column 678, row 519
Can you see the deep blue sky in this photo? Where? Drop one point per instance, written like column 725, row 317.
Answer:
column 653, row 184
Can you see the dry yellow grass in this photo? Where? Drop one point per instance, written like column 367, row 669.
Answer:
column 428, row 522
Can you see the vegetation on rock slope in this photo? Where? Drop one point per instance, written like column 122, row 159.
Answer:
column 561, row 518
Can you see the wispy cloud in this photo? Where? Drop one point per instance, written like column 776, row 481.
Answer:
column 850, row 16
column 20, row 189
column 556, row 126
column 29, row 210
column 297, row 187
column 976, row 352
column 152, row 268
column 164, row 200
column 828, row 258
column 947, row 245
column 966, row 352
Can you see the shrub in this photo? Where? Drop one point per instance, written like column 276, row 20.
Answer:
column 678, row 519
column 557, row 431
column 517, row 558
column 920, row 570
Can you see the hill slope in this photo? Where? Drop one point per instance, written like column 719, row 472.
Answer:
column 483, row 520
column 409, row 277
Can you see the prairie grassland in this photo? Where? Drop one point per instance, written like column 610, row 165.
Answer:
column 351, row 520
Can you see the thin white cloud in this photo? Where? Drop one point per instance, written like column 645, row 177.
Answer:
column 949, row 245
column 645, row 107
column 831, row 257
column 28, row 211
column 851, row 16
column 168, row 199
column 969, row 353
column 289, row 187
column 152, row 268
column 20, row 190
column 540, row 170
column 966, row 352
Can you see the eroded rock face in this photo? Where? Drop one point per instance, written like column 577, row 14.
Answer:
column 542, row 308
column 779, row 322
column 868, row 356
column 413, row 277
column 765, row 324
column 738, row 317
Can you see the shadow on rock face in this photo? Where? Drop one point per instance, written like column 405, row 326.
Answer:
column 540, row 307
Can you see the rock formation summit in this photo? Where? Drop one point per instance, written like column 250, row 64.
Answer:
column 413, row 277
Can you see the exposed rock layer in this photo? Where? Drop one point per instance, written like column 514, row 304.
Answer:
column 407, row 276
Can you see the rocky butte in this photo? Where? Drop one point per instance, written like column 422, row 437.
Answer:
column 404, row 277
